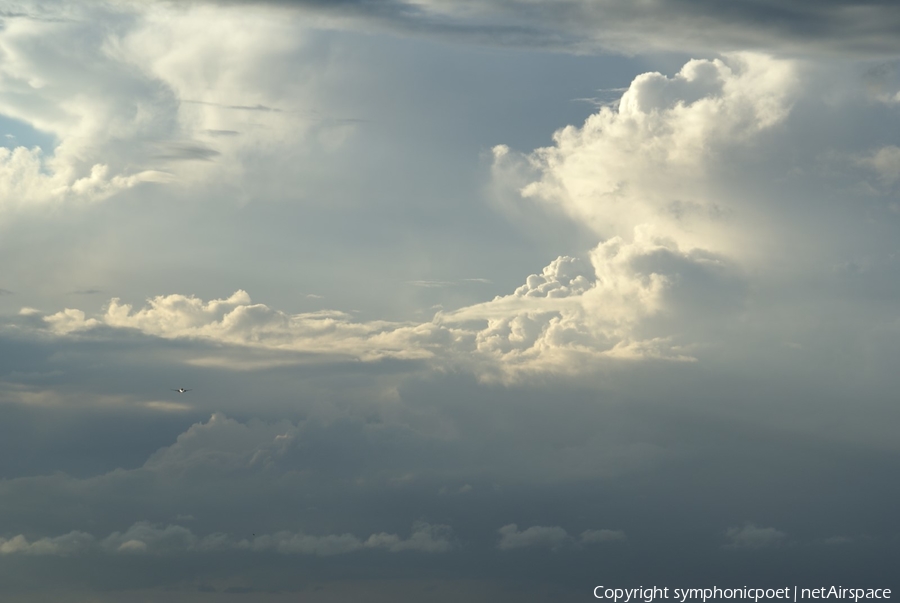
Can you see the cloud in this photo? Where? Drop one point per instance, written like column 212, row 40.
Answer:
column 644, row 175
column 431, row 284
column 69, row 321
column 750, row 536
column 646, row 164
column 236, row 320
column 223, row 132
column 26, row 178
column 137, row 93
column 67, row 544
column 321, row 486
column 552, row 537
column 86, row 112
column 230, row 443
column 797, row 26
column 256, row 107
column 682, row 241
column 623, row 350
column 187, row 152
column 324, row 546
column 577, row 312
column 146, row 538
column 263, row 492
column 425, row 538
column 574, row 312
column 564, row 277
column 885, row 162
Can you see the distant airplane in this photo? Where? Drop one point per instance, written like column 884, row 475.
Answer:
column 181, row 390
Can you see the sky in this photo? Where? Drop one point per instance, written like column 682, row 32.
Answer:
column 475, row 301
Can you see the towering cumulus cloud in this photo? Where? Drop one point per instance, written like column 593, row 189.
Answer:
column 650, row 162
column 644, row 176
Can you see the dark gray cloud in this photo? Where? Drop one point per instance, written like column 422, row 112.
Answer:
column 793, row 26
column 257, row 107
column 222, row 132
column 187, row 152
column 682, row 475
column 720, row 508
column 30, row 11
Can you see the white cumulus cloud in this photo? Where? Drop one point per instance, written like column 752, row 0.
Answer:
column 237, row 320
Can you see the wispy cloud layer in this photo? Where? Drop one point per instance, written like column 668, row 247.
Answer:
column 574, row 311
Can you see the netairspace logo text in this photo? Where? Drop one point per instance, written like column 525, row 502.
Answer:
column 652, row 593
